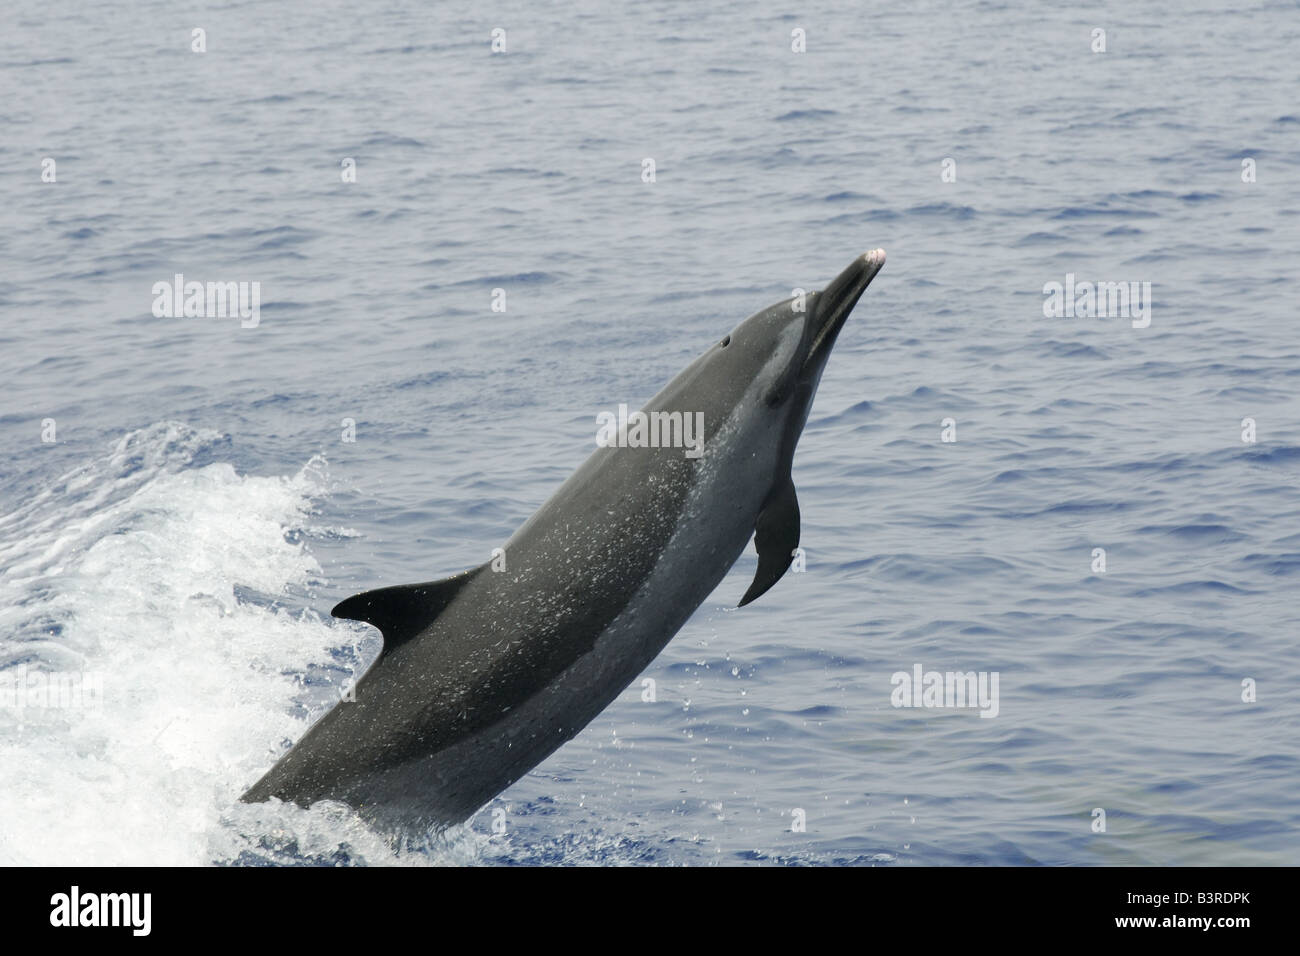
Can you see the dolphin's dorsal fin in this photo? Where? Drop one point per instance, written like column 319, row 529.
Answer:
column 776, row 535
column 404, row 610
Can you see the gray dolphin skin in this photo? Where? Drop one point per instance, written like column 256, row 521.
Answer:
column 486, row 673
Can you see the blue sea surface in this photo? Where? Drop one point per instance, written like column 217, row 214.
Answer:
column 180, row 505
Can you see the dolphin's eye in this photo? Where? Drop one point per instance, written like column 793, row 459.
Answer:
column 726, row 341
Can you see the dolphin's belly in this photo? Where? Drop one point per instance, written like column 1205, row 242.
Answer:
column 448, row 785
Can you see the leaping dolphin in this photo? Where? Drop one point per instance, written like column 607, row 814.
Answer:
column 486, row 673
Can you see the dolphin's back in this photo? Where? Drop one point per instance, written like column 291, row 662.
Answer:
column 486, row 673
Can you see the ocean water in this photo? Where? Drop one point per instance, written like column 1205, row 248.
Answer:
column 198, row 511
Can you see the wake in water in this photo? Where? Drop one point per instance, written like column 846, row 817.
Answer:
column 158, row 650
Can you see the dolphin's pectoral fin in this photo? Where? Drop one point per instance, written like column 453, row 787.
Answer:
column 405, row 610
column 776, row 535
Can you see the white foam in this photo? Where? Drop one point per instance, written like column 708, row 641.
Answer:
column 181, row 588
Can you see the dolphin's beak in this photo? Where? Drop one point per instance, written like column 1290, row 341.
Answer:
column 837, row 301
